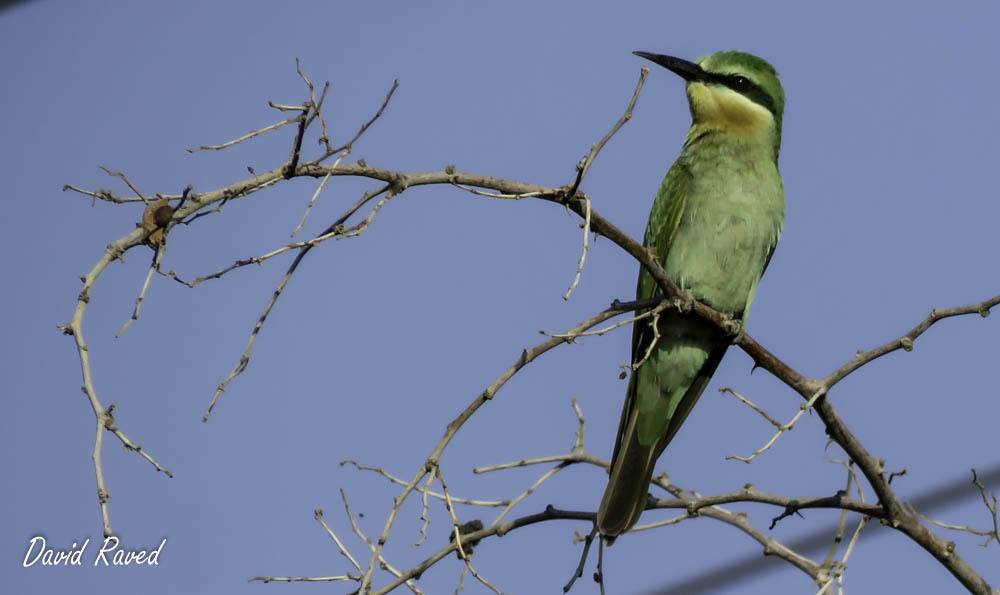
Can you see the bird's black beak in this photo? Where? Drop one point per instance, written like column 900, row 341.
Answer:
column 688, row 71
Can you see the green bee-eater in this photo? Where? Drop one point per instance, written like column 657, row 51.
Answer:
column 713, row 227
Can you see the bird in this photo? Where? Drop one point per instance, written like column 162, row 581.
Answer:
column 713, row 228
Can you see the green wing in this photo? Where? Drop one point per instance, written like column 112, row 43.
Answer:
column 661, row 229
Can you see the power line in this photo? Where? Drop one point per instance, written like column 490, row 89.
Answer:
column 738, row 570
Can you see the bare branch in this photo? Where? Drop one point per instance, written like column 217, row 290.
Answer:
column 127, row 181
column 385, row 564
column 157, row 258
column 587, row 541
column 906, row 341
column 364, row 127
column 782, row 428
column 253, row 133
column 318, row 515
column 527, row 356
column 398, row 481
column 302, row 579
column 749, row 403
column 991, row 505
column 585, row 164
column 583, row 253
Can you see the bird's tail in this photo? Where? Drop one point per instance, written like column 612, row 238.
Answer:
column 631, row 470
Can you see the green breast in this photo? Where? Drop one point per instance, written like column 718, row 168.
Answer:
column 733, row 213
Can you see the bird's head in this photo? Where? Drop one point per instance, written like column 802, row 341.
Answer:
column 730, row 91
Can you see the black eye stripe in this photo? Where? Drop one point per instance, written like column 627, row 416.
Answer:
column 738, row 82
column 749, row 89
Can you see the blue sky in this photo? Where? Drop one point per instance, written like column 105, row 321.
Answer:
column 889, row 159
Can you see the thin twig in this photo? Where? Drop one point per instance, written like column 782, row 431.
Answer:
column 384, row 563
column 104, row 195
column 312, row 201
column 324, row 138
column 527, row 356
column 465, row 556
column 366, row 125
column 334, row 230
column 583, row 253
column 587, row 542
column 155, row 266
column 782, row 428
column 318, row 515
column 496, row 194
column 251, row 134
column 302, row 579
column 749, row 403
column 660, row 306
column 584, row 165
column 398, row 481
column 425, row 510
column 127, row 181
column 652, row 344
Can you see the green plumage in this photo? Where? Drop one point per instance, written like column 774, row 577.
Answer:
column 713, row 227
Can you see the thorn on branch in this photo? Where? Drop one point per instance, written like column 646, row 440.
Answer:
column 894, row 474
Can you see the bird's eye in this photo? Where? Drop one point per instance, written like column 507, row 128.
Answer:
column 741, row 82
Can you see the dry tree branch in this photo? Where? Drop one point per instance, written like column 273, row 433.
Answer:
column 782, row 428
column 497, row 195
column 381, row 559
column 128, row 182
column 990, row 535
column 833, row 570
column 436, row 495
column 906, row 341
column 318, row 515
column 751, row 404
column 587, row 540
column 949, row 526
column 527, row 356
column 104, row 416
column 658, row 304
column 312, row 201
column 324, row 137
column 157, row 258
column 253, row 133
column 458, row 538
column 838, row 536
column 584, row 166
column 333, row 231
column 425, row 510
column 105, row 195
column 991, row 507
column 583, row 252
column 115, row 251
column 577, row 449
column 302, row 579
column 708, row 506
column 550, row 513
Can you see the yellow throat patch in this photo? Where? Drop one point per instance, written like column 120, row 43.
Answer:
column 720, row 108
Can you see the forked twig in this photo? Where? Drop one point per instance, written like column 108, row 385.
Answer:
column 782, row 428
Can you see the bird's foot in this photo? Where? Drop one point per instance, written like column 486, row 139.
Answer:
column 734, row 329
column 685, row 301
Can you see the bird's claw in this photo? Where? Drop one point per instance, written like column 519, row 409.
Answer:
column 734, row 329
column 685, row 301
